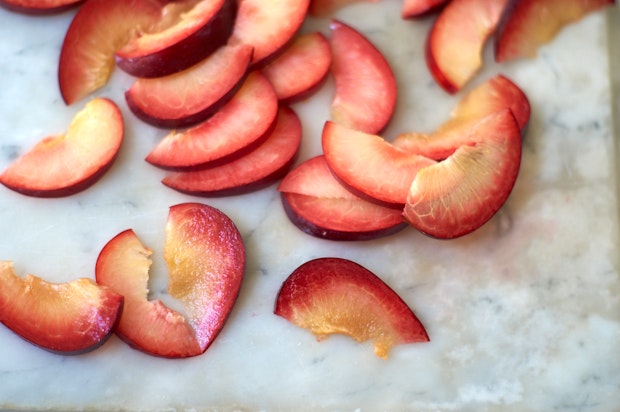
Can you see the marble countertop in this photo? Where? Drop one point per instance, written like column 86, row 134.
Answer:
column 523, row 314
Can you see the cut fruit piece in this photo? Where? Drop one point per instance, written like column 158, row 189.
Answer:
column 205, row 257
column 494, row 95
column 235, row 130
column 40, row 6
column 460, row 194
column 418, row 8
column 268, row 26
column 369, row 165
column 98, row 29
column 66, row 318
column 63, row 165
column 365, row 96
column 323, row 8
column 301, row 68
column 456, row 40
column 526, row 25
column 319, row 205
column 196, row 34
column 192, row 95
column 261, row 167
column 338, row 296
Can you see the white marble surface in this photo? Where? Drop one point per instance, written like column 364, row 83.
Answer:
column 523, row 314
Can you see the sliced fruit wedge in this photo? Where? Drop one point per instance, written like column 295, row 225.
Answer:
column 494, row 95
column 261, row 167
column 195, row 34
column 234, row 130
column 419, row 8
column 323, row 8
column 192, row 95
column 458, row 195
column 365, row 96
column 319, row 205
column 63, row 165
column 301, row 68
column 338, row 296
column 456, row 40
column 268, row 26
column 66, row 318
column 40, row 6
column 205, row 256
column 528, row 24
column 369, row 165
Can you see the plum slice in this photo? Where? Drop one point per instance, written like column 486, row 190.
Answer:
column 332, row 295
column 40, row 7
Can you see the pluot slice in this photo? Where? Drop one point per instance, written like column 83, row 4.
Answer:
column 99, row 28
column 268, row 26
column 494, row 95
column 456, row 40
column 418, row 8
column 194, row 94
column 319, row 205
column 196, row 34
column 67, row 318
column 234, row 130
column 65, row 164
column 338, row 296
column 261, row 167
column 527, row 25
column 40, row 6
column 323, row 8
column 460, row 194
column 205, row 257
column 301, row 68
column 369, row 165
column 365, row 96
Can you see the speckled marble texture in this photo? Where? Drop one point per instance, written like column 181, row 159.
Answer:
column 523, row 314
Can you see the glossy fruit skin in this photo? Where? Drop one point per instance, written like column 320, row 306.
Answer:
column 334, row 295
column 65, row 318
column 40, row 7
column 185, row 52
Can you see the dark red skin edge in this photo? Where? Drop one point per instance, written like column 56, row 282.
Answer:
column 428, row 12
column 306, row 93
column 189, row 120
column 224, row 159
column 246, row 188
column 180, row 56
column 433, row 69
column 40, row 11
column 271, row 57
column 91, row 348
column 312, row 229
column 69, row 190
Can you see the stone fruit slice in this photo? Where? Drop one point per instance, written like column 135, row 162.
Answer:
column 261, row 167
column 66, row 318
column 323, row 8
column 65, row 164
column 365, row 96
column 40, row 6
column 338, row 296
column 418, row 8
column 205, row 256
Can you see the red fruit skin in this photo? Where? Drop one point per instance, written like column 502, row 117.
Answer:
column 40, row 7
column 330, row 295
column 421, row 8
column 193, row 95
column 301, row 69
column 366, row 91
column 319, row 205
column 184, row 52
column 261, row 167
column 239, row 127
column 323, row 8
column 458, row 195
column 526, row 25
column 66, row 318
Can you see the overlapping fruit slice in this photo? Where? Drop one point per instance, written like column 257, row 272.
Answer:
column 65, row 164
column 39, row 6
column 338, row 296
column 417, row 8
column 365, row 96
column 205, row 256
column 319, row 205
column 67, row 318
column 322, row 8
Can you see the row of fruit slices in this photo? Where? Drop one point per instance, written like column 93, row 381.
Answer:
column 446, row 183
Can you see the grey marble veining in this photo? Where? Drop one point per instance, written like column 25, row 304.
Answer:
column 523, row 314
